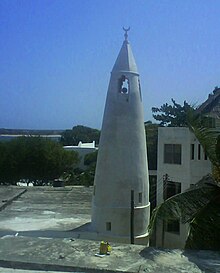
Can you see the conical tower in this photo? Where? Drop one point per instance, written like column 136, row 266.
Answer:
column 121, row 178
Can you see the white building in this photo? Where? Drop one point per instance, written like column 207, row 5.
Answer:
column 181, row 163
column 82, row 149
column 121, row 208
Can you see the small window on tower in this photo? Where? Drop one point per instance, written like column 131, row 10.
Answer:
column 123, row 85
column 108, row 226
column 140, row 197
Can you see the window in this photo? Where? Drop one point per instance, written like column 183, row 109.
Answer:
column 208, row 122
column 171, row 188
column 199, row 151
column 172, row 153
column 172, row 226
column 153, row 191
column 108, row 226
column 192, row 151
column 94, row 190
column 140, row 197
column 123, row 84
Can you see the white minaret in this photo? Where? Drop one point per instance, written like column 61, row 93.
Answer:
column 122, row 168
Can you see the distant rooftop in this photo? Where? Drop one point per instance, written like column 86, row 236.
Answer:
column 211, row 103
column 90, row 145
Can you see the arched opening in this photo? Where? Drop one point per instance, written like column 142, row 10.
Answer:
column 123, row 85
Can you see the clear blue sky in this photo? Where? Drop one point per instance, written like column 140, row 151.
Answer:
column 56, row 56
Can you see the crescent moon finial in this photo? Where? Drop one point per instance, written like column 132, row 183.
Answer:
column 126, row 32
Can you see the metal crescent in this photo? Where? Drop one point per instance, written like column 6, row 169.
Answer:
column 126, row 29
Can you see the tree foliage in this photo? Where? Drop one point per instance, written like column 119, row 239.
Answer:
column 80, row 133
column 174, row 115
column 87, row 176
column 34, row 158
column 91, row 158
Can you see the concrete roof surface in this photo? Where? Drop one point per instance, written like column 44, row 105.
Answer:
column 36, row 233
column 73, row 255
column 14, row 270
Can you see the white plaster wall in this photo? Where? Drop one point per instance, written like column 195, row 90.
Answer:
column 177, row 173
column 189, row 172
column 122, row 162
column 198, row 168
column 82, row 152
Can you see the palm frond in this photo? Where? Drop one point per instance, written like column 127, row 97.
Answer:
column 204, row 230
column 185, row 205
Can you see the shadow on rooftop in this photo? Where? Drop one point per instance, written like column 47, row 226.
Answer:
column 83, row 228
column 205, row 260
column 49, row 233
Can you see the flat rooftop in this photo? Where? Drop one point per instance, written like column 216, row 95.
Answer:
column 45, row 208
column 37, row 234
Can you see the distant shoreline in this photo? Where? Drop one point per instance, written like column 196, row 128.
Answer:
column 4, row 131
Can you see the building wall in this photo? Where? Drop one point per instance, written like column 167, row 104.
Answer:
column 194, row 165
column 217, row 123
column 82, row 149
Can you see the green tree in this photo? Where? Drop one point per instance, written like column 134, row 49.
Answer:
column 173, row 115
column 198, row 206
column 33, row 159
column 80, row 133
column 8, row 165
column 91, row 159
column 87, row 176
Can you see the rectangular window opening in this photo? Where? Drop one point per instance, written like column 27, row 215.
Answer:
column 140, row 197
column 172, row 153
column 209, row 122
column 108, row 226
column 192, row 151
column 94, row 190
column 172, row 226
column 199, row 151
column 123, row 85
column 171, row 188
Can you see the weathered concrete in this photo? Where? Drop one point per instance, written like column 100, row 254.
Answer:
column 121, row 170
column 9, row 194
column 79, row 255
column 46, row 208
column 39, row 212
column 13, row 270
